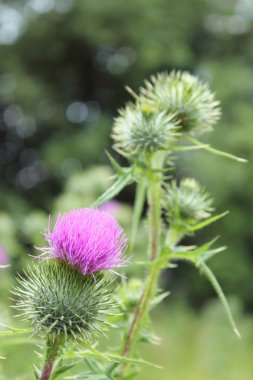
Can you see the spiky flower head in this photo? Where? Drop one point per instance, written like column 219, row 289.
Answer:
column 88, row 239
column 60, row 301
column 183, row 95
column 187, row 203
column 65, row 292
column 136, row 132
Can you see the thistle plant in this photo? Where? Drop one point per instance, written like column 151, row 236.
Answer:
column 165, row 117
column 67, row 293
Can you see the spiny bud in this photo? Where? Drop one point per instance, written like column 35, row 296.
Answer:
column 58, row 300
column 136, row 132
column 183, row 95
column 129, row 295
column 187, row 203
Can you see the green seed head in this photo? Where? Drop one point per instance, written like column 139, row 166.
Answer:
column 187, row 203
column 183, row 95
column 59, row 300
column 136, row 132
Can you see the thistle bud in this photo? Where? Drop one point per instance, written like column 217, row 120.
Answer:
column 187, row 203
column 129, row 295
column 136, row 132
column 183, row 95
column 66, row 292
column 59, row 301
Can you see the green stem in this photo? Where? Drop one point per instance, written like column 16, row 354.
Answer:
column 138, row 208
column 53, row 346
column 154, row 195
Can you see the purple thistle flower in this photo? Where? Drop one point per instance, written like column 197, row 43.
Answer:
column 88, row 239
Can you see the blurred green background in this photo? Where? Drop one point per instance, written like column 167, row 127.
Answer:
column 63, row 68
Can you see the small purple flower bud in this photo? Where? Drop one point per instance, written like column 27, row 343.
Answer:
column 112, row 207
column 88, row 239
column 4, row 260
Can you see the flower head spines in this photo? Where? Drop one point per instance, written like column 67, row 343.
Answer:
column 136, row 132
column 88, row 239
column 58, row 300
column 184, row 95
column 187, row 203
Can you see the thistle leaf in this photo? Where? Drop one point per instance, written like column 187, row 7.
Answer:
column 123, row 181
column 36, row 373
column 194, row 254
column 206, row 222
column 61, row 370
column 210, row 149
column 108, row 356
column 159, row 298
column 209, row 274
column 93, row 365
column 189, row 147
column 198, row 257
column 116, row 166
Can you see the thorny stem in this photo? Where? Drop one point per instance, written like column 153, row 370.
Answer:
column 138, row 207
column 53, row 346
column 154, row 192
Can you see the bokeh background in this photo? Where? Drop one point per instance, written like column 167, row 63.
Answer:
column 63, row 68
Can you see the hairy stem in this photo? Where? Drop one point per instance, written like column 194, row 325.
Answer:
column 138, row 208
column 154, row 193
column 53, row 346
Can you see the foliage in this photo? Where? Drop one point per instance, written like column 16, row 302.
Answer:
column 91, row 65
column 55, row 97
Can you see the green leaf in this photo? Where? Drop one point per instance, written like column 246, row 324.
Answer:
column 61, row 370
column 209, row 274
column 114, row 190
column 108, row 356
column 36, row 373
column 189, row 147
column 192, row 253
column 132, row 360
column 13, row 331
column 86, row 353
column 198, row 257
column 116, row 166
column 206, row 222
column 93, row 365
column 159, row 298
column 210, row 149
